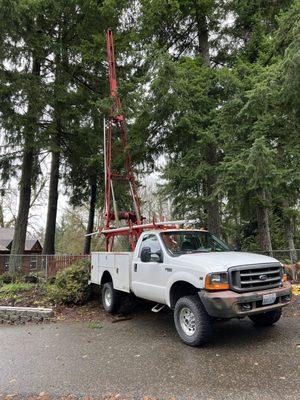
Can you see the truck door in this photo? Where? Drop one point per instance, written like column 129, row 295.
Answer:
column 148, row 277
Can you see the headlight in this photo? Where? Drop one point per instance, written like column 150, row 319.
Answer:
column 217, row 281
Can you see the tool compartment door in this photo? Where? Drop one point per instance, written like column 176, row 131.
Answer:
column 116, row 263
column 95, row 268
column 122, row 262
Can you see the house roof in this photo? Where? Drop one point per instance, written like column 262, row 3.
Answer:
column 3, row 248
column 6, row 233
column 5, row 242
column 30, row 243
column 6, row 238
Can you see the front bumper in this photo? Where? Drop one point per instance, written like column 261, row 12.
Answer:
column 229, row 304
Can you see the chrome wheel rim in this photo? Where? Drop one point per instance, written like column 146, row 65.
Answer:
column 107, row 297
column 187, row 321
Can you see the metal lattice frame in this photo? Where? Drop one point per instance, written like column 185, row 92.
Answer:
column 117, row 126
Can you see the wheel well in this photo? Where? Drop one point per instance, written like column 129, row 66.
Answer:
column 180, row 289
column 106, row 277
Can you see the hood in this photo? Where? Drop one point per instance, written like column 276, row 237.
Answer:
column 221, row 261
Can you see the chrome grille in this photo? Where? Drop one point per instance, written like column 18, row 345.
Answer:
column 247, row 278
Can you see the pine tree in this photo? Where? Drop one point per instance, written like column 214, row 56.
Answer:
column 183, row 27
column 257, row 109
column 22, row 56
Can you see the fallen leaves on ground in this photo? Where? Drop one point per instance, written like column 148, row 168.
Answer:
column 296, row 290
column 293, row 309
column 46, row 396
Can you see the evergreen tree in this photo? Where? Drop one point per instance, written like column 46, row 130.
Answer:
column 212, row 85
column 22, row 108
column 257, row 108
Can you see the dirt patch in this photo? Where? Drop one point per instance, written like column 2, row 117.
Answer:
column 293, row 309
column 35, row 297
column 91, row 312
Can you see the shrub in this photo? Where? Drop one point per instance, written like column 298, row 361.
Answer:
column 31, row 279
column 51, row 280
column 15, row 287
column 7, row 278
column 71, row 285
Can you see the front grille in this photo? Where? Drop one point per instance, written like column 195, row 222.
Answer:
column 248, row 278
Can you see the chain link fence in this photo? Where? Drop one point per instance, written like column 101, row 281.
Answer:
column 37, row 264
column 48, row 265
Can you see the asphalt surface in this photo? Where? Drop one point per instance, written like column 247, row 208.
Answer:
column 144, row 357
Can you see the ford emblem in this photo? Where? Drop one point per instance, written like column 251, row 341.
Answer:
column 263, row 277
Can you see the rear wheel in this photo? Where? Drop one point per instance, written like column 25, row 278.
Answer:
column 111, row 298
column 192, row 322
column 266, row 319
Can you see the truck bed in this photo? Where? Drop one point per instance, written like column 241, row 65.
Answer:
column 117, row 264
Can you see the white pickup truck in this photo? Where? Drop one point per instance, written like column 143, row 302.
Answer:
column 196, row 275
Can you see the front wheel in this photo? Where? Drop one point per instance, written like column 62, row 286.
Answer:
column 192, row 322
column 111, row 298
column 266, row 319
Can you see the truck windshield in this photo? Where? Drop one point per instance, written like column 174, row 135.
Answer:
column 183, row 242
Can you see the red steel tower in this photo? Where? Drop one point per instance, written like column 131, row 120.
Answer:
column 116, row 130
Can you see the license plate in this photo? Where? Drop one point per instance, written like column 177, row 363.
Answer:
column 268, row 299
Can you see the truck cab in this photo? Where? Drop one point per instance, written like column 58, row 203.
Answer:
column 198, row 276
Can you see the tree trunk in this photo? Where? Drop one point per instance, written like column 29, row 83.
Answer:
column 289, row 232
column 18, row 245
column 202, row 33
column 263, row 223
column 49, row 242
column 90, row 226
column 213, row 218
column 237, row 222
column 212, row 207
column 61, row 57
column 1, row 216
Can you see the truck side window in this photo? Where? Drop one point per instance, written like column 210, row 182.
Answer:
column 151, row 241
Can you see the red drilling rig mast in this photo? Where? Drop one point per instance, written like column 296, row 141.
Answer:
column 116, row 129
column 115, row 132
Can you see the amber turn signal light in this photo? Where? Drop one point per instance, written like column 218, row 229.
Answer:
column 218, row 281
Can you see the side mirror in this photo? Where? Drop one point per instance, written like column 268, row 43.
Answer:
column 146, row 254
column 160, row 256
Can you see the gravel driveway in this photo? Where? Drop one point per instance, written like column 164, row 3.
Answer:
column 144, row 357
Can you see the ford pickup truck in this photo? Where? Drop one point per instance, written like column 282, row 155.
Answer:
column 198, row 276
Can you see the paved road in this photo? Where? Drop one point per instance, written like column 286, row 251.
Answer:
column 144, row 357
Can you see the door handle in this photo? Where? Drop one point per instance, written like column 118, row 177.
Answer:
column 168, row 269
column 134, row 267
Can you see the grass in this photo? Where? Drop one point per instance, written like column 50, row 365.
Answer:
column 94, row 325
column 12, row 288
column 23, row 294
